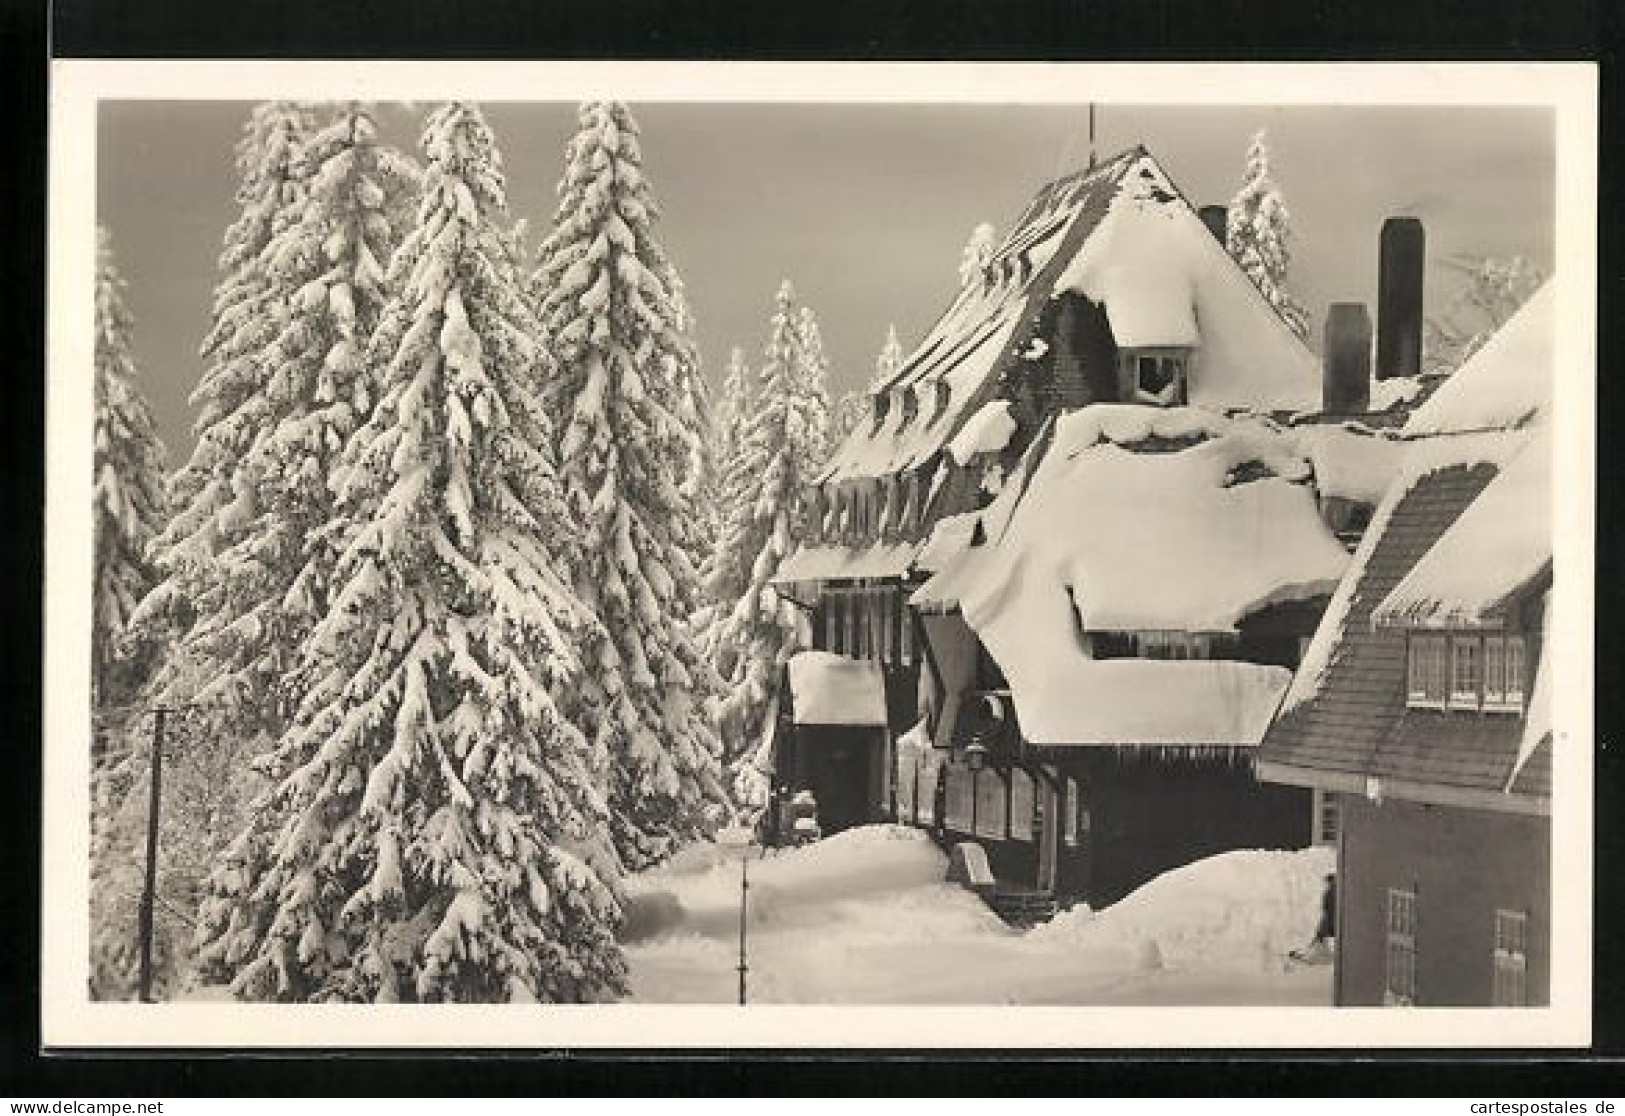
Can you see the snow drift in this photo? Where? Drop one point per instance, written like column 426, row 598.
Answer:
column 865, row 917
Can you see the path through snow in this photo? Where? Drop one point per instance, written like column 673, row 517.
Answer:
column 865, row 917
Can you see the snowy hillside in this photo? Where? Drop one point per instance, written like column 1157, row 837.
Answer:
column 865, row 917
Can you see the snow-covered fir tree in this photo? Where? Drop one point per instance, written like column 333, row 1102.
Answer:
column 727, row 420
column 627, row 404
column 1257, row 232
column 128, row 491
column 888, row 361
column 432, row 803
column 756, row 631
column 733, row 406
column 200, row 578
column 1491, row 289
column 811, row 377
column 984, row 238
column 329, row 259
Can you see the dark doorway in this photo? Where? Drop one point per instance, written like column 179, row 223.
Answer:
column 837, row 763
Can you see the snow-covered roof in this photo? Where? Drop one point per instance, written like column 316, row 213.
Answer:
column 1499, row 546
column 949, row 536
column 1350, row 462
column 1119, row 529
column 1074, row 700
column 831, row 689
column 1390, row 393
column 1164, row 280
column 987, row 431
column 1504, row 384
column 1116, row 538
column 834, row 562
column 1537, row 726
column 1121, row 235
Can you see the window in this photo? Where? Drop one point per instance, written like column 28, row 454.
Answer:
column 1511, row 959
column 911, row 407
column 1466, row 672
column 849, row 617
column 905, row 635
column 1427, row 671
column 1153, row 377
column 1069, row 813
column 832, row 622
column 1326, row 817
column 1400, row 968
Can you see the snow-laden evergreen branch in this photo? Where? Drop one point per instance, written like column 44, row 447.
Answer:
column 1258, row 229
column 627, row 403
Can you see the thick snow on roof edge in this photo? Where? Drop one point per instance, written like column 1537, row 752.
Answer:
column 1074, row 700
column 831, row 689
column 1506, row 382
column 1187, row 547
column 1499, row 544
column 1350, row 464
column 1537, row 727
column 987, row 431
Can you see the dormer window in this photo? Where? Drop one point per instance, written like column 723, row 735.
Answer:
column 880, row 403
column 1469, row 672
column 1155, row 376
column 911, row 407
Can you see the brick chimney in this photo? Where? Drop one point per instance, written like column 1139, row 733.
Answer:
column 1346, row 378
column 1402, row 254
column 1215, row 218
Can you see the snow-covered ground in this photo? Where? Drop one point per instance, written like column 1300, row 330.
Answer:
column 865, row 917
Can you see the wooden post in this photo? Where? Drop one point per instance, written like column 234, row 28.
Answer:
column 149, row 888
column 744, row 907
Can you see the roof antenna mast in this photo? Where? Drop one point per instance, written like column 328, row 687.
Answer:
column 1091, row 135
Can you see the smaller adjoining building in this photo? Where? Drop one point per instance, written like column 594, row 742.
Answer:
column 1423, row 703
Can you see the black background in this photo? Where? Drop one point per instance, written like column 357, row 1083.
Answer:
column 958, row 30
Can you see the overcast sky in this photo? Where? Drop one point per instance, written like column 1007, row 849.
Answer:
column 864, row 208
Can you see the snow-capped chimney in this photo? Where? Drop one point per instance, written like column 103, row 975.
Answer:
column 1215, row 218
column 1401, row 258
column 1346, row 379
